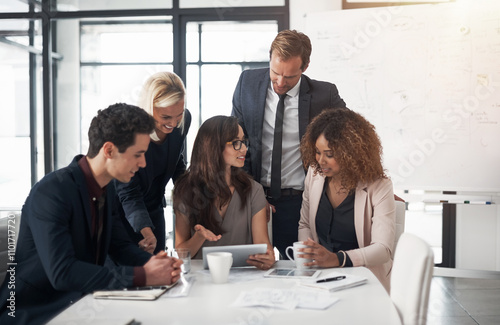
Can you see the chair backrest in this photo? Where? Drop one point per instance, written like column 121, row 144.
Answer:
column 400, row 221
column 411, row 279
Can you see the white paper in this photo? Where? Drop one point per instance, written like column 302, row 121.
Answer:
column 349, row 282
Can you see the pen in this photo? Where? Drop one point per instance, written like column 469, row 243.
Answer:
column 336, row 278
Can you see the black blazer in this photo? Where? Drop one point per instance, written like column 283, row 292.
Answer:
column 55, row 256
column 249, row 102
column 135, row 196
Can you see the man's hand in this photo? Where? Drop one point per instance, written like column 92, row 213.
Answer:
column 162, row 269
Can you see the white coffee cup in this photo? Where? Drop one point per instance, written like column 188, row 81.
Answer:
column 219, row 264
column 299, row 262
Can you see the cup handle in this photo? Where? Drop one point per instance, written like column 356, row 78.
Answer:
column 286, row 252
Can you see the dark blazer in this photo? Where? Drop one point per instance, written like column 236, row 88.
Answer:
column 55, row 255
column 249, row 102
column 138, row 197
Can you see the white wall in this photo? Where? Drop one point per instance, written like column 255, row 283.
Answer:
column 478, row 237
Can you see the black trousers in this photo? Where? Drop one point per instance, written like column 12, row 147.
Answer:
column 286, row 221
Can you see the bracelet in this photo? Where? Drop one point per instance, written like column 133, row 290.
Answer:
column 345, row 258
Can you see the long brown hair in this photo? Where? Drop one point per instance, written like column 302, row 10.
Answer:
column 355, row 144
column 203, row 187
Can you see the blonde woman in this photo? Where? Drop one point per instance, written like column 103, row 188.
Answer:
column 142, row 199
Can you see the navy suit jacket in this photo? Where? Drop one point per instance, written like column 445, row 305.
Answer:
column 249, row 102
column 55, row 256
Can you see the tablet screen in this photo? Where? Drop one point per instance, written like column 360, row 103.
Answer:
column 292, row 273
column 240, row 252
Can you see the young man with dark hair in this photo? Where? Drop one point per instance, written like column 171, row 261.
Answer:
column 67, row 229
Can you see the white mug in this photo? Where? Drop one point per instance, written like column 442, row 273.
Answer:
column 219, row 264
column 299, row 262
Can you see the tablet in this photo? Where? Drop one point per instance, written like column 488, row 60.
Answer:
column 240, row 253
column 292, row 273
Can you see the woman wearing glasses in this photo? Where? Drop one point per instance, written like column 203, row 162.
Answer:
column 216, row 202
column 143, row 198
column 348, row 212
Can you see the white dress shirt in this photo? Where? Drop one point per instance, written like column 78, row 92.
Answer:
column 292, row 172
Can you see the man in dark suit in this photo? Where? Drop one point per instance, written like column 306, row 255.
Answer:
column 256, row 102
column 67, row 229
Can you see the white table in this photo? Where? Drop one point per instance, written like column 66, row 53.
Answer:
column 209, row 303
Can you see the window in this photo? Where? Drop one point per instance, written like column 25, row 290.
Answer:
column 19, row 85
column 116, row 59
column 216, row 53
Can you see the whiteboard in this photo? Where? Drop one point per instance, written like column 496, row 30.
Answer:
column 428, row 78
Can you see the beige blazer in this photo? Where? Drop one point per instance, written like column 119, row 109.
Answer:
column 374, row 222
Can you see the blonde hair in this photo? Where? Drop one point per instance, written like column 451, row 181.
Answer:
column 162, row 89
column 291, row 43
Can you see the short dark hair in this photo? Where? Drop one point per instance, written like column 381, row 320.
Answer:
column 291, row 43
column 119, row 124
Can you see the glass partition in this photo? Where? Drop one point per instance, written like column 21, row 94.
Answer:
column 76, row 5
column 20, row 84
column 229, row 3
column 15, row 6
column 116, row 59
column 216, row 53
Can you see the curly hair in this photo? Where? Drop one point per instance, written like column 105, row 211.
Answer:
column 355, row 144
column 203, row 187
column 119, row 124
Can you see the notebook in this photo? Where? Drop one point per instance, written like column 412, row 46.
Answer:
column 348, row 282
column 136, row 293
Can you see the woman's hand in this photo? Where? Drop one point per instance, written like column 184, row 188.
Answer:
column 262, row 261
column 205, row 233
column 148, row 244
column 319, row 254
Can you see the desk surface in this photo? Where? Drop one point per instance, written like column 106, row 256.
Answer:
column 209, row 303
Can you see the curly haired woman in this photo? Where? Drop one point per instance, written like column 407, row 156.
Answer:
column 348, row 211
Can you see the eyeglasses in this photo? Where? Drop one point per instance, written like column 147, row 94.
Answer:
column 237, row 143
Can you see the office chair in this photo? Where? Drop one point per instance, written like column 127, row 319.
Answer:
column 411, row 279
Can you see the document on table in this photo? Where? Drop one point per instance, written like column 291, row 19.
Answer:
column 149, row 293
column 343, row 281
column 179, row 289
column 288, row 299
